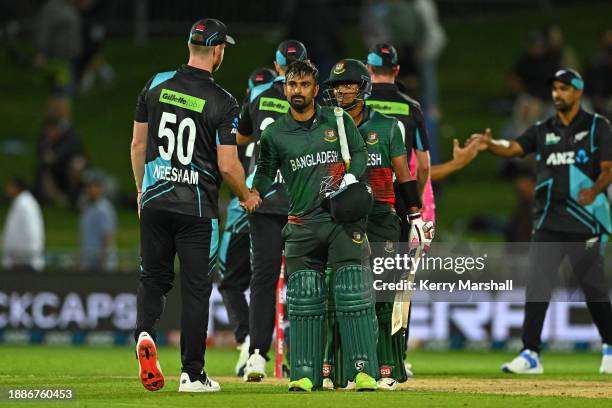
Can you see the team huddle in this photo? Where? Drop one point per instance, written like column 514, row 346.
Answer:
column 319, row 169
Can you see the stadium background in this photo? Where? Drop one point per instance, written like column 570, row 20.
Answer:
column 64, row 305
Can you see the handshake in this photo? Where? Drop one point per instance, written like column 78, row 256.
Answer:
column 251, row 202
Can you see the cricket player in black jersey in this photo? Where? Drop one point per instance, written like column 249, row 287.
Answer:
column 266, row 103
column 183, row 145
column 234, row 251
column 573, row 152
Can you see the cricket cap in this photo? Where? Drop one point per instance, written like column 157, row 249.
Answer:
column 569, row 77
column 209, row 32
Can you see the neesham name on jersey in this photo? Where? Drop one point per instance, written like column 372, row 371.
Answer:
column 173, row 174
column 427, row 285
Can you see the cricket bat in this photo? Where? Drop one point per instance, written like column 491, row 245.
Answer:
column 401, row 303
column 344, row 149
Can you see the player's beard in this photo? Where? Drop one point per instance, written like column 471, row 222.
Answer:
column 562, row 106
column 300, row 102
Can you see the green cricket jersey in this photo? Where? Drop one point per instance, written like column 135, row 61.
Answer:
column 384, row 142
column 309, row 160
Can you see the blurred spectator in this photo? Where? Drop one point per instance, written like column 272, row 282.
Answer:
column 57, row 44
column 23, row 238
column 529, row 83
column 91, row 63
column 598, row 77
column 372, row 22
column 98, row 227
column 562, row 54
column 520, row 224
column 61, row 161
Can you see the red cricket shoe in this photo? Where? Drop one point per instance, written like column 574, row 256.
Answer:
column 151, row 375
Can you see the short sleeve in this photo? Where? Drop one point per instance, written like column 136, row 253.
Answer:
column 528, row 139
column 141, row 114
column 397, row 147
column 604, row 138
column 226, row 130
column 245, row 124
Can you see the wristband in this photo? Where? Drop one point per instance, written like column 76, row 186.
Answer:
column 410, row 194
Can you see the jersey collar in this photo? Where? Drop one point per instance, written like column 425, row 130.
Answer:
column 385, row 87
column 292, row 124
column 557, row 122
column 197, row 72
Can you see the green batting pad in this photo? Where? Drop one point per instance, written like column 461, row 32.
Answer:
column 354, row 297
column 306, row 310
column 390, row 349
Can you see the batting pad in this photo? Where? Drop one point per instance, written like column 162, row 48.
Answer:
column 306, row 304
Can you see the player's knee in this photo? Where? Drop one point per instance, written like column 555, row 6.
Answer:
column 353, row 289
column 306, row 293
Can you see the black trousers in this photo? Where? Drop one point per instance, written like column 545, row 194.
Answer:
column 162, row 236
column 266, row 257
column 235, row 274
column 548, row 249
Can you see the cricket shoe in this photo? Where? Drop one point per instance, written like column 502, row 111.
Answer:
column 303, row 384
column 387, row 384
column 350, row 385
column 255, row 370
column 528, row 362
column 364, row 382
column 202, row 384
column 243, row 357
column 328, row 384
column 408, row 368
column 606, row 359
column 151, row 375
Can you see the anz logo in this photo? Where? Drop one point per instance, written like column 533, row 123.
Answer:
column 567, row 158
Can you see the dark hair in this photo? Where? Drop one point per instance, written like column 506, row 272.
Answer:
column 302, row 68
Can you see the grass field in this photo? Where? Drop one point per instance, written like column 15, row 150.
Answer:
column 106, row 377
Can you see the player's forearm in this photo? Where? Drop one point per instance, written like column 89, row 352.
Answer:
column 505, row 148
column 233, row 175
column 422, row 177
column 137, row 153
column 441, row 171
column 603, row 181
column 242, row 140
column 359, row 162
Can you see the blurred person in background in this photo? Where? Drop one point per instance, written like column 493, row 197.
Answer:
column 520, row 224
column 57, row 45
column 599, row 77
column 98, row 227
column 527, row 82
column 562, row 54
column 61, row 161
column 91, row 63
column 23, row 238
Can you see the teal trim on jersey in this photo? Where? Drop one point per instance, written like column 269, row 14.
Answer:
column 599, row 209
column 193, row 166
column 214, row 245
column 418, row 140
column 538, row 157
column 259, row 89
column 234, row 214
column 161, row 78
column 249, row 180
column 204, row 171
column 603, row 240
column 549, row 184
column 585, row 215
column 149, row 178
column 592, row 133
column 225, row 240
column 156, row 195
column 375, row 59
column 280, row 58
column 270, row 193
column 582, row 220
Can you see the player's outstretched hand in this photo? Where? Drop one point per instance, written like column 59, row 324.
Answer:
column 252, row 202
column 421, row 232
column 464, row 155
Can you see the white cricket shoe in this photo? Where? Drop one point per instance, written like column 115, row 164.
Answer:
column 243, row 357
column 350, row 385
column 200, row 385
column 528, row 362
column 255, row 369
column 387, row 384
column 606, row 359
column 328, row 384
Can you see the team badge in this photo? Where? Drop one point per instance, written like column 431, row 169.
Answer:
column 326, row 370
column 339, row 68
column 372, row 138
column 330, row 135
column 357, row 237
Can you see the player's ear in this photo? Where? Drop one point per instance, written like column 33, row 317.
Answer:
column 396, row 70
column 316, row 90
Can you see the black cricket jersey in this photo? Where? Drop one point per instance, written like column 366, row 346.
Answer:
column 266, row 103
column 388, row 99
column 567, row 161
column 188, row 116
